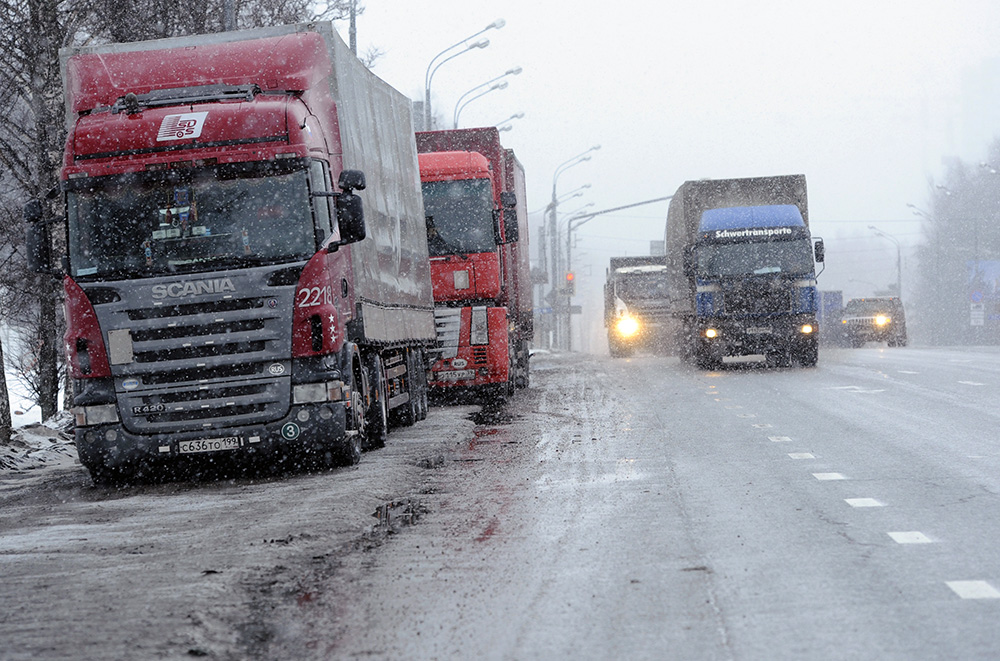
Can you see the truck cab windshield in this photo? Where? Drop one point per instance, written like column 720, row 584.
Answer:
column 460, row 216
column 792, row 257
column 188, row 221
column 642, row 286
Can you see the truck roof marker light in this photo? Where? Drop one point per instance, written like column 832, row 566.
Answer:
column 711, row 333
column 806, row 329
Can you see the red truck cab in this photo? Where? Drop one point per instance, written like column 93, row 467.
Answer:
column 477, row 238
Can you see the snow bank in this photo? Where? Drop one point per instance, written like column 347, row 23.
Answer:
column 36, row 445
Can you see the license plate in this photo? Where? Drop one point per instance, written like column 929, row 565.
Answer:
column 456, row 375
column 209, row 445
column 758, row 330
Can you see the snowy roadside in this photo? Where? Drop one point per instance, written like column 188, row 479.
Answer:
column 36, row 445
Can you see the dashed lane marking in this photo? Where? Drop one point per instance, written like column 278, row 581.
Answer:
column 801, row 455
column 910, row 537
column 907, row 372
column 823, row 477
column 763, row 425
column 972, row 383
column 780, row 439
column 864, row 502
column 857, row 389
column 973, row 589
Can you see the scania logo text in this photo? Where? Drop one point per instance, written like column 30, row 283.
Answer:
column 193, row 288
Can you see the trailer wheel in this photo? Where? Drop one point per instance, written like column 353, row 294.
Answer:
column 411, row 413
column 423, row 388
column 377, row 405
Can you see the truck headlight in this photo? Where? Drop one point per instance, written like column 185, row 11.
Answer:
column 711, row 333
column 627, row 326
column 95, row 415
column 479, row 333
column 882, row 320
column 806, row 329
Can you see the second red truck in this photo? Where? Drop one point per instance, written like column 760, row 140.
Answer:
column 477, row 236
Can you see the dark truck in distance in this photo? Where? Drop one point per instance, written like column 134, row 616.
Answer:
column 875, row 320
column 636, row 304
column 740, row 263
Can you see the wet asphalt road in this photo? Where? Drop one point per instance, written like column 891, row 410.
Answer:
column 641, row 509
column 635, row 509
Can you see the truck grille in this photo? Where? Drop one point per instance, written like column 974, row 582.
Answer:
column 448, row 323
column 757, row 299
column 208, row 361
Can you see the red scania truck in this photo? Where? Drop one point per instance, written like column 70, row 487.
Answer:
column 225, row 293
column 477, row 235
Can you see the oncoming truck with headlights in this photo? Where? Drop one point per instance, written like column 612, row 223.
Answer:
column 740, row 262
column 636, row 305
column 224, row 294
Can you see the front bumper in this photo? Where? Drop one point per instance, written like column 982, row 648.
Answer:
column 744, row 337
column 306, row 427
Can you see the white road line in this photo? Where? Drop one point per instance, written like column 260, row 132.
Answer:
column 828, row 476
column 910, row 537
column 857, row 389
column 746, row 415
column 907, row 372
column 764, row 425
column 780, row 439
column 972, row 383
column 801, row 455
column 973, row 589
column 863, row 502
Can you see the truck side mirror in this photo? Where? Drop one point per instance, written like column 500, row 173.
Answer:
column 820, row 251
column 688, row 262
column 37, row 238
column 350, row 217
column 351, row 180
column 510, row 230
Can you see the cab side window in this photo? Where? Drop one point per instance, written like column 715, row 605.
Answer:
column 319, row 182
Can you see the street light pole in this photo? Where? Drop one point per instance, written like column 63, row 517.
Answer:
column 500, row 125
column 553, row 235
column 459, row 105
column 899, row 259
column 431, row 67
column 458, row 109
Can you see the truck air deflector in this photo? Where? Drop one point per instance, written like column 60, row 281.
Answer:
column 759, row 218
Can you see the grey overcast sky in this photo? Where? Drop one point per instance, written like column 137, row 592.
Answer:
column 867, row 99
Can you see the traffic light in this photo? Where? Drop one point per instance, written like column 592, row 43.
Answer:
column 570, row 283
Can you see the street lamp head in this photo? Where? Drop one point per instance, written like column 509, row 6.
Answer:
column 513, row 72
column 499, row 86
column 595, row 148
column 497, row 24
column 517, row 115
column 482, row 43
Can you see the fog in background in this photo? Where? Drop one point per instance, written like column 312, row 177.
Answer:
column 871, row 100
